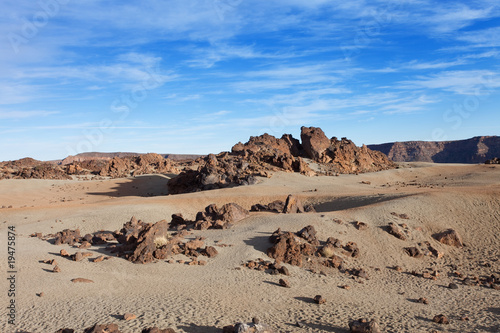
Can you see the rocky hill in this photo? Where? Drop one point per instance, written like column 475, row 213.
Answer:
column 94, row 156
column 475, row 150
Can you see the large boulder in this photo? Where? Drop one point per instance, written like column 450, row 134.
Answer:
column 315, row 142
column 151, row 238
column 449, row 237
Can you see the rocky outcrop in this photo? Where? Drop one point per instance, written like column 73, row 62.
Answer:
column 212, row 217
column 494, row 160
column 260, row 156
column 474, row 150
column 28, row 168
column 342, row 156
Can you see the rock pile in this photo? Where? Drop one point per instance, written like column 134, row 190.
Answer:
column 304, row 247
column 212, row 217
column 27, row 168
column 265, row 154
column 290, row 206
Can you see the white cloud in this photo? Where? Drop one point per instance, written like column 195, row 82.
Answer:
column 464, row 82
column 16, row 115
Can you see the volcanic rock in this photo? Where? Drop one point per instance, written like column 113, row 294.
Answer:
column 449, row 237
column 364, row 326
column 67, row 237
column 314, row 142
column 394, row 230
column 285, row 283
column 293, row 205
column 318, row 299
column 65, row 330
column 441, row 319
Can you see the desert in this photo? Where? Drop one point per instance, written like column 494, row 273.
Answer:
column 313, row 243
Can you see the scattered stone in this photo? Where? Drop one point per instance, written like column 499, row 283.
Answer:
column 84, row 245
column 414, row 252
column 285, row 283
column 129, row 316
column 50, row 262
column 56, row 269
column 361, row 225
column 65, row 330
column 64, row 253
column 441, row 319
column 398, row 269
column 81, row 255
column 453, row 286
column 394, row 230
column 319, row 299
column 364, row 326
column 464, row 318
column 67, row 236
column 449, row 237
column 41, row 294
column 423, row 300
column 108, row 328
column 81, row 280
column 99, row 259
column 346, row 287
column 211, row 251
column 293, row 205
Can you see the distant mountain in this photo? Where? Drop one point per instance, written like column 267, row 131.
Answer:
column 475, row 150
column 108, row 156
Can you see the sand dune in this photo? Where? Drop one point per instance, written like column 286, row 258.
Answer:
column 206, row 298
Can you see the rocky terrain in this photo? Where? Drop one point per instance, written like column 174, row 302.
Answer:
column 265, row 154
column 331, row 238
column 474, row 150
column 260, row 156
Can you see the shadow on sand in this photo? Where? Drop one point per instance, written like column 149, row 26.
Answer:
column 140, row 186
column 260, row 243
column 343, row 203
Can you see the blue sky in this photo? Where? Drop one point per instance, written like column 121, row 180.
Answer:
column 198, row 76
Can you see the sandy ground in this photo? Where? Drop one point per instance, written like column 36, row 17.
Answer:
column 206, row 298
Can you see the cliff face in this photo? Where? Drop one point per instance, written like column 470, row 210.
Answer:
column 474, row 150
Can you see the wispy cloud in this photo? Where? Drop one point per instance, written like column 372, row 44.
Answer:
column 464, row 82
column 17, row 115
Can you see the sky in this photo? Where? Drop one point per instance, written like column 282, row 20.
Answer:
column 198, row 76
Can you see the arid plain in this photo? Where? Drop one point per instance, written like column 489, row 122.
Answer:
column 422, row 198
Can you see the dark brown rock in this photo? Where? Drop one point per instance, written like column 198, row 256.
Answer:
column 318, row 299
column 284, row 283
column 293, row 205
column 394, row 230
column 364, row 326
column 149, row 239
column 211, row 251
column 314, row 142
column 414, row 252
column 67, row 236
column 441, row 319
column 65, row 330
column 449, row 237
